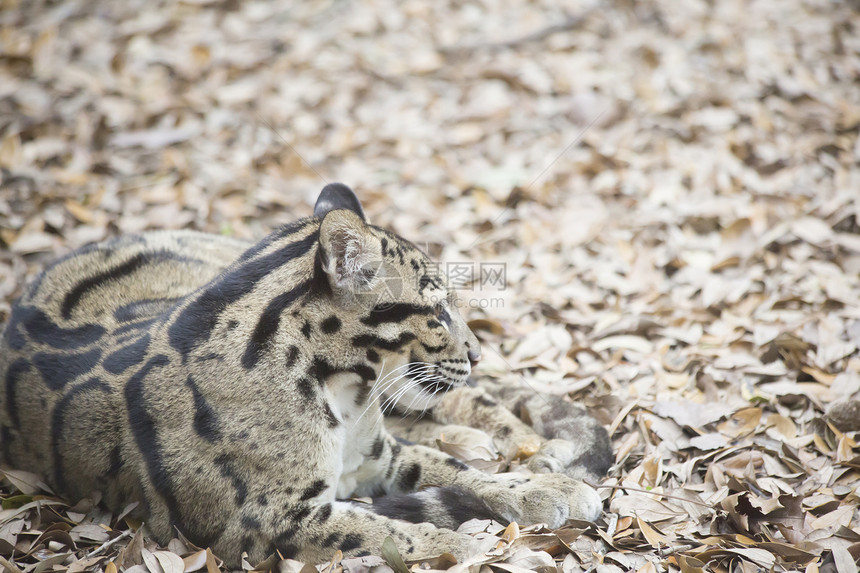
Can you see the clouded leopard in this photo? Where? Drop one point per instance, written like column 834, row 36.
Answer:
column 234, row 389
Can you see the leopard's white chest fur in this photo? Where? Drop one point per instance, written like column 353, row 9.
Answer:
column 360, row 427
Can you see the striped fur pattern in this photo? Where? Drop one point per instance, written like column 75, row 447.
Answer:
column 237, row 390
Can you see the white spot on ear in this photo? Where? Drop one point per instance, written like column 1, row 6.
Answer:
column 352, row 255
column 351, row 261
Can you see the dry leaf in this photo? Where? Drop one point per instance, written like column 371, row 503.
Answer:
column 651, row 535
column 845, row 562
column 195, row 561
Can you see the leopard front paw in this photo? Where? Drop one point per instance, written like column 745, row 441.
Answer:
column 576, row 444
column 558, row 457
column 549, row 498
column 575, row 460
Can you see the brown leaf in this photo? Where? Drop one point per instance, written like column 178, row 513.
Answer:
column 840, row 516
column 211, row 566
column 741, row 422
column 492, row 326
column 690, row 564
column 195, row 561
column 26, row 482
column 651, row 535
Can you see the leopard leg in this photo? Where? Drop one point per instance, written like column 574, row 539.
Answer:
column 314, row 530
column 527, row 499
column 428, row 493
column 562, row 437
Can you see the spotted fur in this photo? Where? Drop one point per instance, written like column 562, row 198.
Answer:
column 236, row 390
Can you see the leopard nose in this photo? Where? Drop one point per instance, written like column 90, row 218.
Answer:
column 474, row 358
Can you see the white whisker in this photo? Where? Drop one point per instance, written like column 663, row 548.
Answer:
column 417, row 375
column 394, row 372
column 393, row 399
column 383, row 383
column 423, row 368
column 428, row 400
column 413, row 383
column 432, row 378
column 384, row 380
column 411, row 374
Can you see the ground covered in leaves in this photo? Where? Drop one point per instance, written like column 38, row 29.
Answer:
column 671, row 189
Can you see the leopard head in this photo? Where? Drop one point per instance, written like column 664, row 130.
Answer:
column 398, row 313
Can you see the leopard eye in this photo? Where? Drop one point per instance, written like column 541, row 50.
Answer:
column 442, row 315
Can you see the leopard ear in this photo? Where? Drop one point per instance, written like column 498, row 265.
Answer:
column 337, row 196
column 349, row 253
